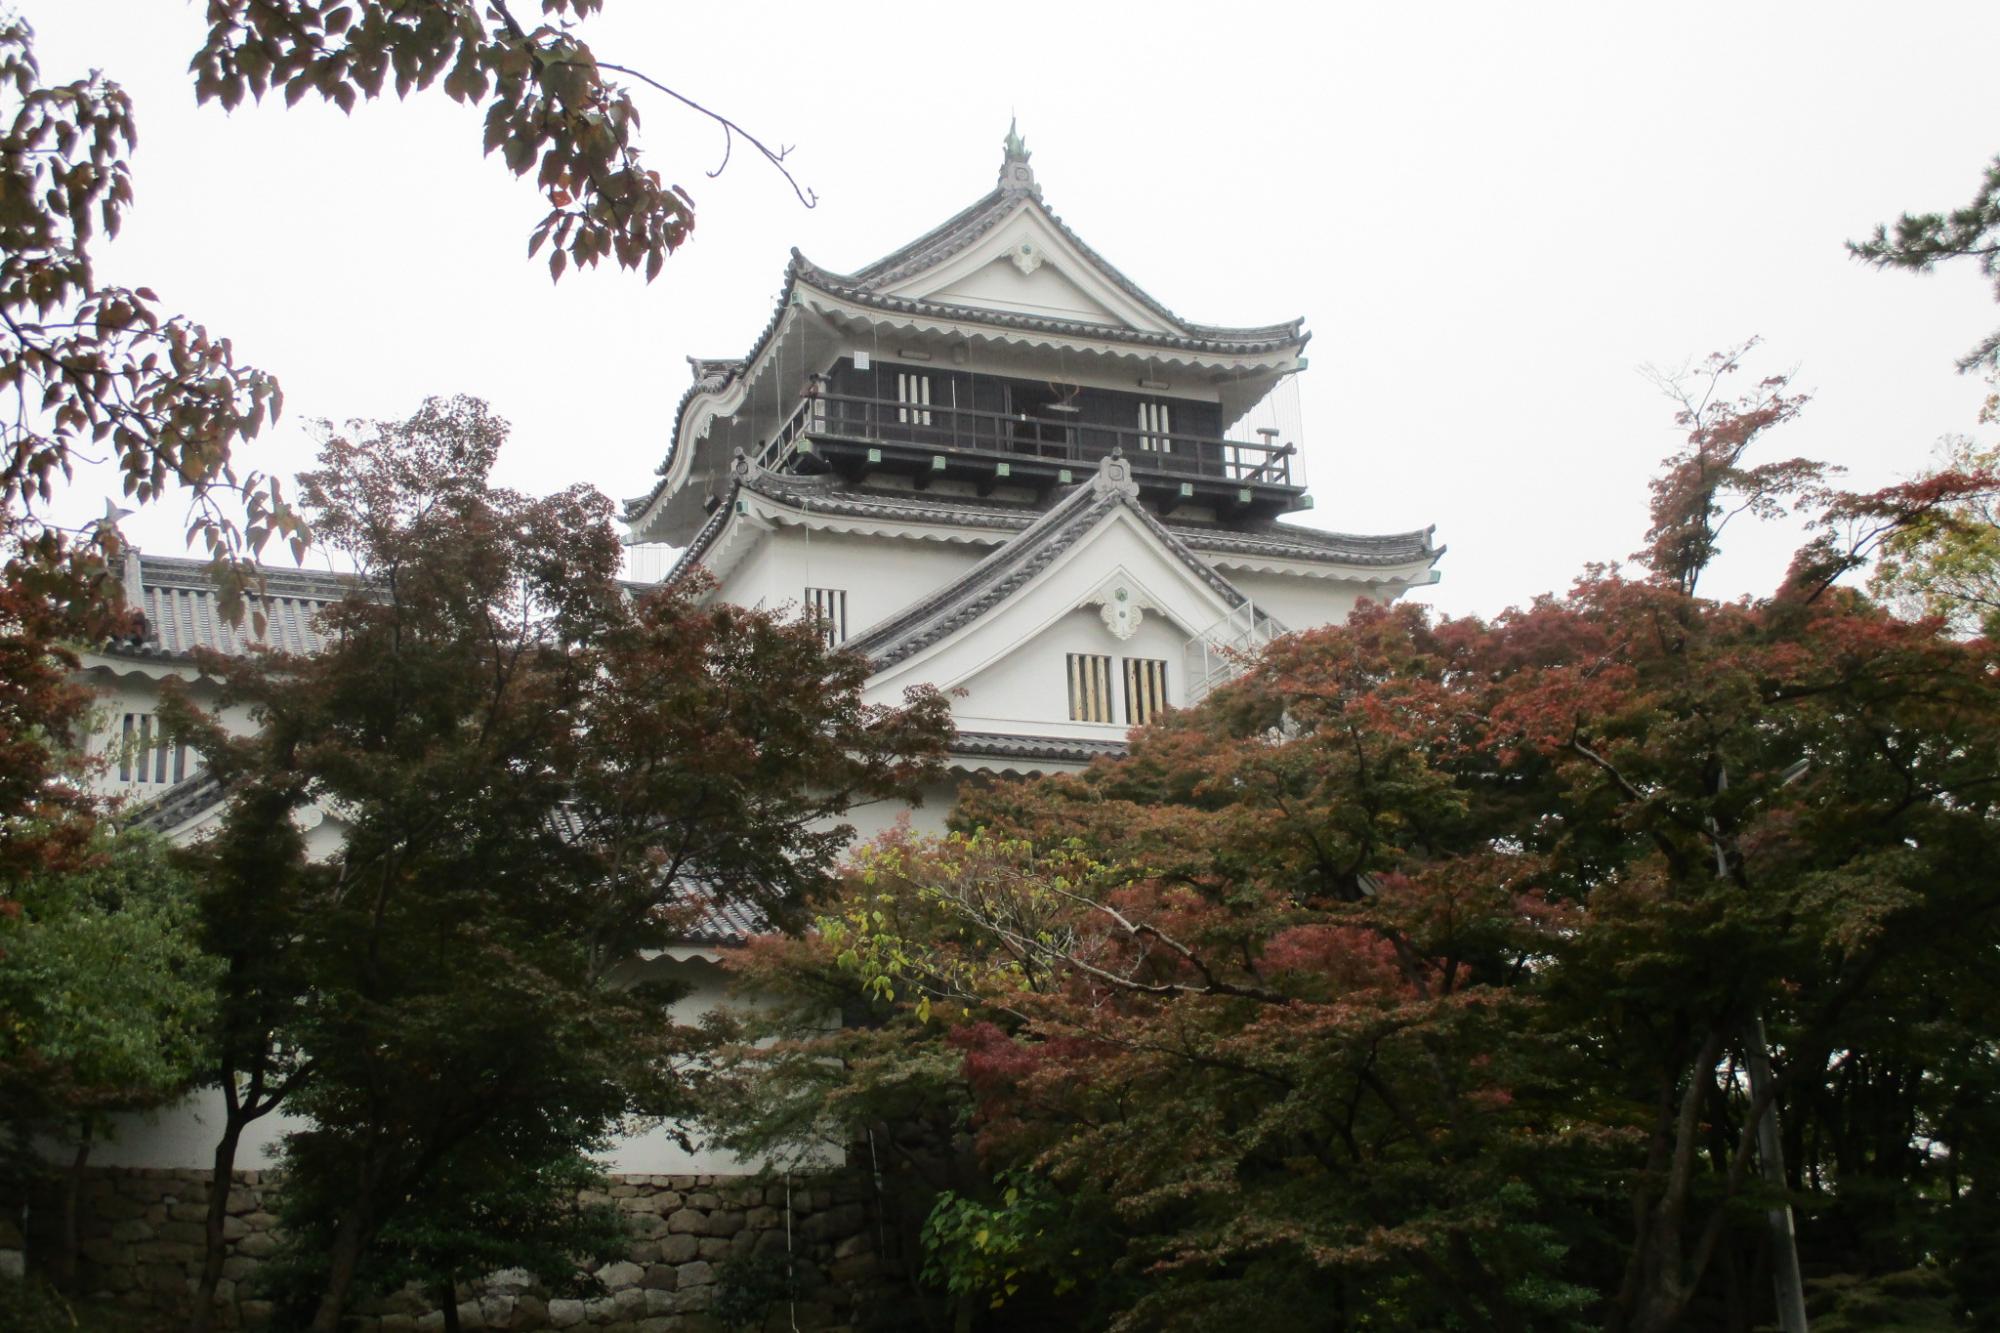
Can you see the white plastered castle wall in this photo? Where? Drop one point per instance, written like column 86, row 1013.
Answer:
column 184, row 1134
column 1302, row 602
column 126, row 687
column 880, row 575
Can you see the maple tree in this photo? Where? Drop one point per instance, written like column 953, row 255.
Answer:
column 1443, row 973
column 534, row 776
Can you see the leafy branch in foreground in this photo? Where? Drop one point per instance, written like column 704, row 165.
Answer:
column 549, row 108
column 100, row 368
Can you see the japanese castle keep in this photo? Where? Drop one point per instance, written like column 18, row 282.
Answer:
column 989, row 462
column 992, row 463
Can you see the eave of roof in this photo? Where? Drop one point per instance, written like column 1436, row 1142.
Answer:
column 825, row 495
column 1221, row 342
column 1059, row 749
column 178, row 804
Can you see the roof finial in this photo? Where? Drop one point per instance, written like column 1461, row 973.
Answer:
column 1017, row 147
column 1015, row 173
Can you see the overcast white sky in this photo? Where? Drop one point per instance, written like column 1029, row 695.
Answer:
column 1490, row 216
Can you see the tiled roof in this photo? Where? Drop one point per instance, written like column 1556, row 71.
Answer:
column 1287, row 542
column 995, row 578
column 829, row 495
column 714, row 917
column 960, row 231
column 178, row 804
column 718, row 920
column 183, row 611
column 1002, row 745
column 1190, row 338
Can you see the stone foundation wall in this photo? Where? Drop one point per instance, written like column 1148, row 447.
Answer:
column 140, row 1239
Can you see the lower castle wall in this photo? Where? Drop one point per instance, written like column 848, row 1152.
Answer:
column 140, row 1233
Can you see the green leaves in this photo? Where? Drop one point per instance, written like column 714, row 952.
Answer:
column 1921, row 241
column 107, row 995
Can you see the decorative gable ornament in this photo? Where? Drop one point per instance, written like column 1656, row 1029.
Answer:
column 1122, row 613
column 1027, row 257
column 1114, row 476
column 1121, row 605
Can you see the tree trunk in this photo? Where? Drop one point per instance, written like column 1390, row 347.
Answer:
column 72, row 1193
column 447, row 1299
column 1787, row 1283
column 345, row 1257
column 214, row 1245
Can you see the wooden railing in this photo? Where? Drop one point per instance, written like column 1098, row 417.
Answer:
column 1056, row 437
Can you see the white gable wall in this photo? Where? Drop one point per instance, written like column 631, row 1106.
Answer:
column 1010, row 662
column 1002, row 285
column 1027, row 691
column 1029, row 242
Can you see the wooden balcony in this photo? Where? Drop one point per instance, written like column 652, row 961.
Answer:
column 855, row 436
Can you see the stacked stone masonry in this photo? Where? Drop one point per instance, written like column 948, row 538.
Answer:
column 140, row 1243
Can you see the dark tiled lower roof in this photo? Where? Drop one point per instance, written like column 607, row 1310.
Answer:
column 1286, row 542
column 827, row 494
column 712, row 917
column 178, row 804
column 1003, row 745
column 717, row 920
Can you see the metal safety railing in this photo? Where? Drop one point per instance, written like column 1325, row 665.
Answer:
column 1219, row 653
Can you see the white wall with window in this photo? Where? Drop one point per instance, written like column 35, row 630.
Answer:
column 879, row 575
column 130, row 754
column 1071, row 679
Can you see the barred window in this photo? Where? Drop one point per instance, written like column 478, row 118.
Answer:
column 1145, row 690
column 827, row 608
column 914, row 391
column 1089, row 688
column 1155, row 428
column 146, row 755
